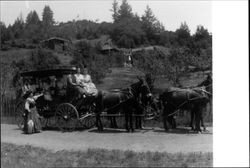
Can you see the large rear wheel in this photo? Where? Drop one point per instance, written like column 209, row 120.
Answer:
column 67, row 117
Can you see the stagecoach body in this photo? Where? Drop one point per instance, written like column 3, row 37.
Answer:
column 58, row 109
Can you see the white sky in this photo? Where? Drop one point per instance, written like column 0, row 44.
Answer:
column 170, row 13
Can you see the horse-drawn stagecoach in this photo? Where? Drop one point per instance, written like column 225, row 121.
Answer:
column 57, row 107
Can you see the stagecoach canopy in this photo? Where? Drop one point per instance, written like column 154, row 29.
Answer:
column 49, row 72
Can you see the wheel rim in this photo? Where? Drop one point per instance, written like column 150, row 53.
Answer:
column 66, row 117
column 88, row 121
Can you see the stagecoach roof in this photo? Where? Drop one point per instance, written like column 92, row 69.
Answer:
column 49, row 72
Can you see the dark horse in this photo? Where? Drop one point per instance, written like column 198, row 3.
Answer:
column 193, row 100
column 207, row 88
column 125, row 100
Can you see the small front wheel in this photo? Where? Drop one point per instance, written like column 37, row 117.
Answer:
column 88, row 121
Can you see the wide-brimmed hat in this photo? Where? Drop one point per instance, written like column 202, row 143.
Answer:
column 26, row 95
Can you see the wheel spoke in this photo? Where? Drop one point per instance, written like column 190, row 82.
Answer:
column 67, row 117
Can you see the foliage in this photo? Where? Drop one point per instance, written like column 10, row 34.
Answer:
column 151, row 25
column 3, row 33
column 114, row 10
column 32, row 18
column 127, row 31
column 125, row 11
column 39, row 59
column 183, row 34
column 47, row 20
column 18, row 27
column 96, row 62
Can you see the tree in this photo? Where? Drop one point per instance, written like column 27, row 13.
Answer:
column 201, row 33
column 151, row 25
column 42, row 59
column 128, row 32
column 183, row 34
column 125, row 11
column 115, row 9
column 33, row 26
column 3, row 32
column 18, row 27
column 32, row 18
column 47, row 20
column 202, row 38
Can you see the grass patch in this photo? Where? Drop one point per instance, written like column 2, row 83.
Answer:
column 28, row 156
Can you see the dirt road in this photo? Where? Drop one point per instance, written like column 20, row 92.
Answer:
column 148, row 139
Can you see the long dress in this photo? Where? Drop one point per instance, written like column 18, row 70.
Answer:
column 32, row 116
column 89, row 86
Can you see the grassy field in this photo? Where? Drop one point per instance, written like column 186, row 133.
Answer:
column 27, row 156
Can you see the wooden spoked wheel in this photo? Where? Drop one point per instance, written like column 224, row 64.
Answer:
column 19, row 114
column 149, row 113
column 67, row 117
column 88, row 121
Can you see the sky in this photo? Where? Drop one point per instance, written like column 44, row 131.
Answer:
column 170, row 13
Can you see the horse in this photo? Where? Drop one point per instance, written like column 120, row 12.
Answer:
column 126, row 100
column 193, row 100
column 206, row 87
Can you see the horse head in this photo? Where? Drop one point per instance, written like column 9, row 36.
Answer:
column 141, row 89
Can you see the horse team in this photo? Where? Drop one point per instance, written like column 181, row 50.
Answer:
column 133, row 100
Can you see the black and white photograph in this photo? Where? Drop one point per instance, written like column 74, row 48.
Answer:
column 124, row 83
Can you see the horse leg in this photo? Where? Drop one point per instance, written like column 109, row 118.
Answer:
column 174, row 122
column 164, row 119
column 111, row 122
column 97, row 122
column 197, row 119
column 126, row 122
column 139, row 122
column 192, row 120
column 114, row 122
column 202, row 122
column 131, row 122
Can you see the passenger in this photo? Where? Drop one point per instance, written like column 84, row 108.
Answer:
column 85, row 81
column 52, row 87
column 46, row 84
column 39, row 89
column 26, row 87
column 33, row 85
column 60, row 91
column 32, row 122
column 74, row 89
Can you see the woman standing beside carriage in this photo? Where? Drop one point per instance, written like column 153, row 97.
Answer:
column 32, row 123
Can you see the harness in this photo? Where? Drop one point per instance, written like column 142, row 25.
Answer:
column 185, row 102
column 130, row 96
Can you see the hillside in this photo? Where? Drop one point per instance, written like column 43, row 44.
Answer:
column 17, row 54
column 119, row 78
column 123, row 77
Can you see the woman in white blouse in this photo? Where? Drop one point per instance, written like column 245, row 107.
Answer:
column 84, row 80
column 32, row 122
